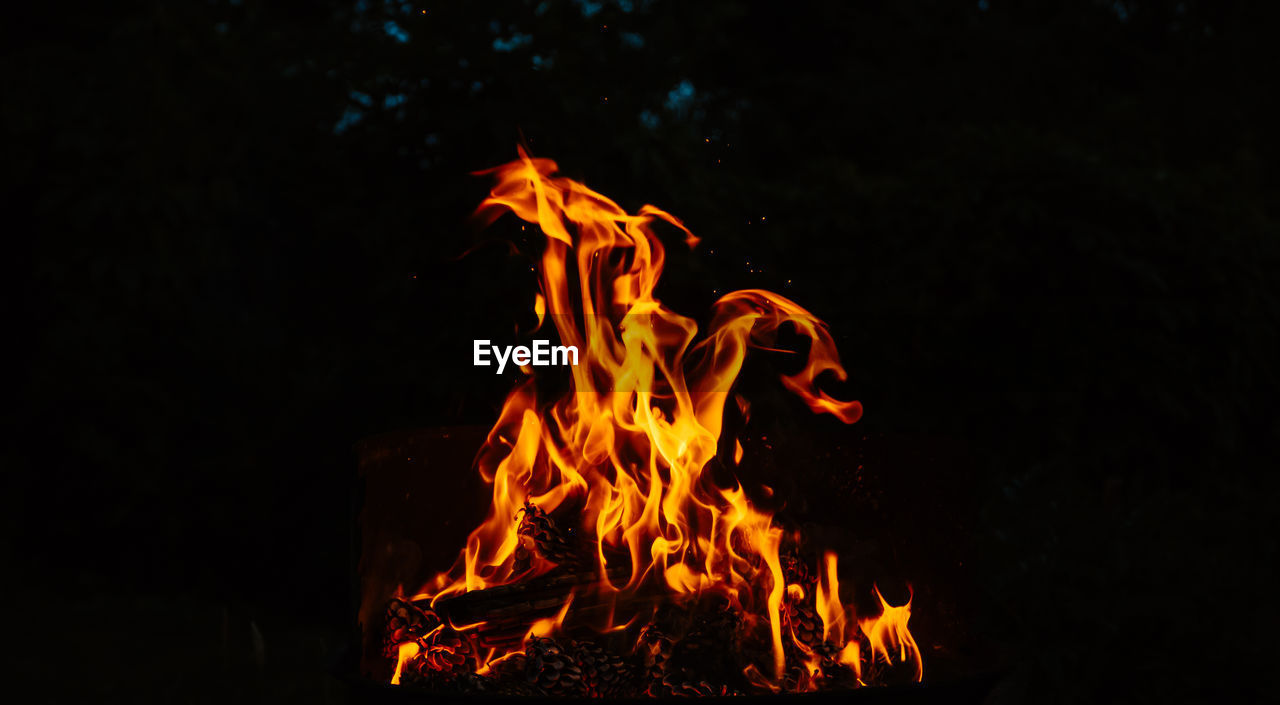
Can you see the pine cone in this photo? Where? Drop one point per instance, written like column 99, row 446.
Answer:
column 835, row 675
column 720, row 623
column 511, row 667
column 444, row 656
column 604, row 674
column 548, row 539
column 656, row 649
column 803, row 622
column 552, row 669
column 405, row 621
column 795, row 571
column 510, row 676
column 710, row 650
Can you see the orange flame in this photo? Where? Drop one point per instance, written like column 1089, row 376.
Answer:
column 888, row 633
column 828, row 601
column 623, row 454
column 550, row 625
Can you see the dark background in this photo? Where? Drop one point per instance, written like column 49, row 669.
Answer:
column 1045, row 229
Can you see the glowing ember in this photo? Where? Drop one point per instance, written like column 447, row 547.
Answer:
column 611, row 480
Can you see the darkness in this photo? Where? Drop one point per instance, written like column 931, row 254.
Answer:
column 1047, row 231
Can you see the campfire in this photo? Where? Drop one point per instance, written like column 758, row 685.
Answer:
column 621, row 556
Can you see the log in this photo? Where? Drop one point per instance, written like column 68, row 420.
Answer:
column 506, row 612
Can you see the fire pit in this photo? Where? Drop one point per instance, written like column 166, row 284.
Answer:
column 620, row 556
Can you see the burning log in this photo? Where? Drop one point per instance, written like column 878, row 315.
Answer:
column 502, row 615
column 518, row 603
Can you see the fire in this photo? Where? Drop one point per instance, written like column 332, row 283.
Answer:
column 623, row 456
column 888, row 633
column 549, row 625
column 828, row 601
column 404, row 652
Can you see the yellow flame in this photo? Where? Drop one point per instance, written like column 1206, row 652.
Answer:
column 828, row 601
column 405, row 651
column 888, row 633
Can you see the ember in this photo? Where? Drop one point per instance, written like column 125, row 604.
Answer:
column 614, row 562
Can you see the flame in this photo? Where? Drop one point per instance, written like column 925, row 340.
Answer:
column 549, row 625
column 539, row 309
column 405, row 651
column 888, row 633
column 623, row 456
column 827, row 596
